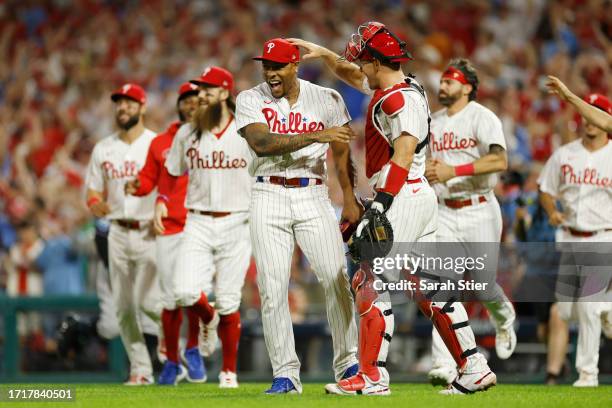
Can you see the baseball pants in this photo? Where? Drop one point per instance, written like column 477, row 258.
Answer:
column 279, row 217
column 481, row 222
column 167, row 252
column 135, row 288
column 588, row 298
column 214, row 258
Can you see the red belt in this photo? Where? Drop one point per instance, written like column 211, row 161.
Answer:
column 584, row 234
column 457, row 204
column 414, row 181
column 289, row 182
column 128, row 224
column 214, row 214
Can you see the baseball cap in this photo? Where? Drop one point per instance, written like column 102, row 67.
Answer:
column 132, row 91
column 279, row 50
column 215, row 76
column 599, row 101
column 187, row 89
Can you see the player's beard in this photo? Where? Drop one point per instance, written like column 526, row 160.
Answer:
column 207, row 117
column 447, row 99
column 128, row 124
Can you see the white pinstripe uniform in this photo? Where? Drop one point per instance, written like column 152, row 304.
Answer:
column 582, row 181
column 215, row 250
column 132, row 269
column 279, row 215
column 459, row 139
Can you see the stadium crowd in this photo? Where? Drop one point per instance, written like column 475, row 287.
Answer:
column 59, row 61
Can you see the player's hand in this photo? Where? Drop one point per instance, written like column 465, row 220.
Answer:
column 342, row 134
column 352, row 210
column 100, row 209
column 440, row 172
column 161, row 212
column 312, row 50
column 131, row 186
column 556, row 219
column 555, row 86
column 430, row 172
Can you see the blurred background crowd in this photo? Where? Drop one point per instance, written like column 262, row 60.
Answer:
column 59, row 61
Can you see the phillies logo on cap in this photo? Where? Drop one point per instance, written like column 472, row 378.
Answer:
column 279, row 50
column 270, row 46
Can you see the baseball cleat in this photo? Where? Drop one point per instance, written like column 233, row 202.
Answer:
column 477, row 376
column 196, row 370
column 281, row 385
column 227, row 379
column 442, row 375
column 586, row 380
column 350, row 372
column 359, row 384
column 136, row 380
column 171, row 374
column 505, row 343
column 208, row 336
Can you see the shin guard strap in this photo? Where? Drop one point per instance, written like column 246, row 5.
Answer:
column 460, row 325
column 469, row 352
column 461, row 388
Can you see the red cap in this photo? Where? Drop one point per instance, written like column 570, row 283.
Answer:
column 186, row 89
column 456, row 74
column 599, row 101
column 131, row 91
column 279, row 50
column 216, row 76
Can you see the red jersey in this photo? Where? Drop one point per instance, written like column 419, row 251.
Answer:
column 170, row 189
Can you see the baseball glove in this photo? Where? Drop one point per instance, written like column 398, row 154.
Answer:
column 373, row 237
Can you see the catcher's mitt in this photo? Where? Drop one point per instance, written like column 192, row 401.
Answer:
column 373, row 237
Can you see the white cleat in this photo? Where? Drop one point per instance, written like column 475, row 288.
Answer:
column 442, row 375
column 360, row 384
column 227, row 379
column 477, row 376
column 138, row 380
column 207, row 341
column 505, row 343
column 586, row 380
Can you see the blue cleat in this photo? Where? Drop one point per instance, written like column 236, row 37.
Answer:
column 282, row 385
column 171, row 374
column 196, row 371
column 350, row 372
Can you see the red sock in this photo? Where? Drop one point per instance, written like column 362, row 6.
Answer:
column 203, row 309
column 171, row 325
column 193, row 328
column 229, row 333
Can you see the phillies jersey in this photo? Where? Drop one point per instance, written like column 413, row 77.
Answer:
column 463, row 138
column 316, row 108
column 217, row 165
column 582, row 181
column 154, row 174
column 392, row 111
column 113, row 163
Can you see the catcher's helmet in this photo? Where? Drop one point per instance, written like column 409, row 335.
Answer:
column 374, row 41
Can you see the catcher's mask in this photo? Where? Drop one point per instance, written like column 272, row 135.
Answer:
column 374, row 41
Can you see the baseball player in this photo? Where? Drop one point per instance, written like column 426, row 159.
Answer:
column 115, row 160
column 579, row 175
column 289, row 125
column 169, row 221
column 468, row 149
column 216, row 248
column 396, row 139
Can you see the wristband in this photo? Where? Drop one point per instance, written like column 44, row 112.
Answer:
column 92, row 201
column 464, row 170
column 392, row 178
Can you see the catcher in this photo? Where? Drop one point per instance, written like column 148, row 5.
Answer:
column 404, row 207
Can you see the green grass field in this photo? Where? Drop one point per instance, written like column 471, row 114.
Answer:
column 251, row 395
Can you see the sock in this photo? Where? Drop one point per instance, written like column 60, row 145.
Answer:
column 193, row 328
column 203, row 309
column 171, row 325
column 229, row 333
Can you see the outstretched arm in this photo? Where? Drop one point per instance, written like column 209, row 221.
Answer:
column 495, row 161
column 344, row 70
column 593, row 115
column 264, row 143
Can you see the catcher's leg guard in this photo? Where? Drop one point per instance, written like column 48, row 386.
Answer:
column 450, row 319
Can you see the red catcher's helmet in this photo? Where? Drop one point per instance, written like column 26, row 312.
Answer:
column 374, row 40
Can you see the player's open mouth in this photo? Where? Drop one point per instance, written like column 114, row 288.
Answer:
column 275, row 85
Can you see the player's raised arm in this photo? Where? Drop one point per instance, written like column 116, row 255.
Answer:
column 348, row 72
column 599, row 116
